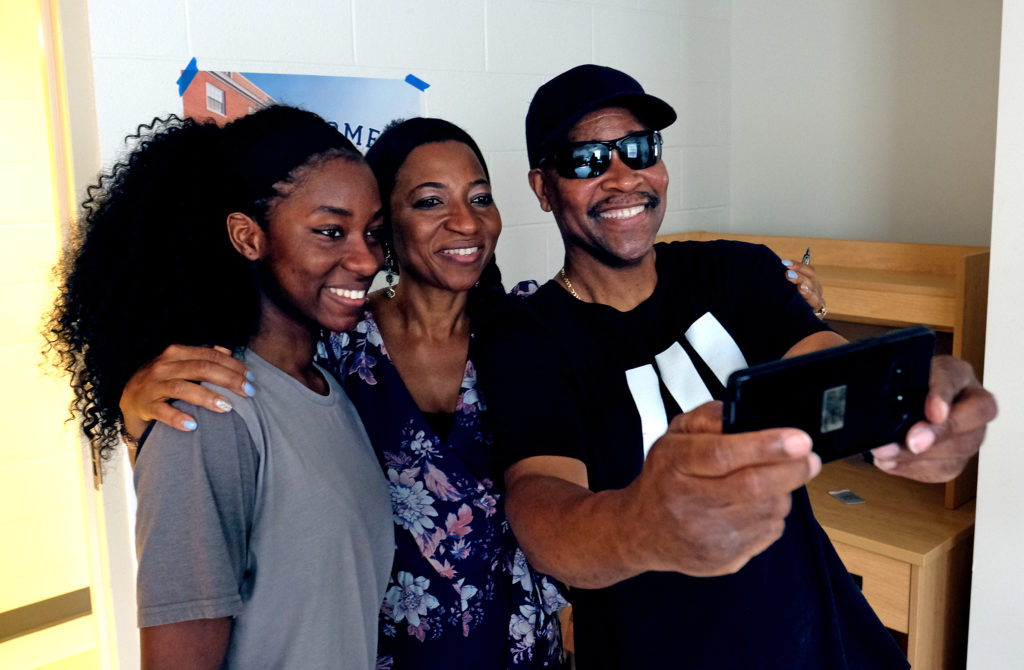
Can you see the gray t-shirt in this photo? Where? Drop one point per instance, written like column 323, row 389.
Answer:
column 277, row 514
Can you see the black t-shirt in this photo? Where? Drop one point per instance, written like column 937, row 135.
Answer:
column 582, row 380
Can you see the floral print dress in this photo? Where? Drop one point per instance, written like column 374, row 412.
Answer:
column 461, row 594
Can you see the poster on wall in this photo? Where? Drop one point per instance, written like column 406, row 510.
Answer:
column 360, row 107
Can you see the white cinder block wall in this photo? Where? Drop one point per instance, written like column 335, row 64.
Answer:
column 483, row 59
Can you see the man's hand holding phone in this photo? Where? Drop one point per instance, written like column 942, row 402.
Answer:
column 710, row 502
column 956, row 412
column 929, row 413
column 849, row 398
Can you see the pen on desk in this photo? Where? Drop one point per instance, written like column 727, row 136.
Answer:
column 807, row 256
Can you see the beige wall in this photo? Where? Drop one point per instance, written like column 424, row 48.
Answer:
column 997, row 599
column 870, row 120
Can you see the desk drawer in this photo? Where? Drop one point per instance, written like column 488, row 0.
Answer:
column 886, row 584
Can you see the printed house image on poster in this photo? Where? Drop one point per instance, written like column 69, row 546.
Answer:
column 222, row 97
column 360, row 107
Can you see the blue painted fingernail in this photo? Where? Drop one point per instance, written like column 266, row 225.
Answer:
column 791, row 274
column 249, row 389
column 191, row 425
column 787, row 263
column 250, row 376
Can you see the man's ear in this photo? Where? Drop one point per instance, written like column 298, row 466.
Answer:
column 536, row 177
column 246, row 235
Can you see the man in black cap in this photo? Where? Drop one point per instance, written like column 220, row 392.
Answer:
column 684, row 547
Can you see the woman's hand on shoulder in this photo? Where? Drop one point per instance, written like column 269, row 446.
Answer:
column 806, row 280
column 175, row 375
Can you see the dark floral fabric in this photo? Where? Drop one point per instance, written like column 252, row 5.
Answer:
column 461, row 594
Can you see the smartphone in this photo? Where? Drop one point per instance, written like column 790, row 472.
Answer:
column 849, row 399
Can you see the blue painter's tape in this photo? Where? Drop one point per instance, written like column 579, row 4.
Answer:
column 417, row 82
column 186, row 77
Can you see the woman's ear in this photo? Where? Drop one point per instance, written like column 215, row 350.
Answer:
column 246, row 235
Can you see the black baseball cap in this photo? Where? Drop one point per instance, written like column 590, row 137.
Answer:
column 560, row 103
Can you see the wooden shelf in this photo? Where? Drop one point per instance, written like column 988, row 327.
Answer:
column 889, row 297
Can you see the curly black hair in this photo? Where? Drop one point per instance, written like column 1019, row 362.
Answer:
column 151, row 264
column 386, row 157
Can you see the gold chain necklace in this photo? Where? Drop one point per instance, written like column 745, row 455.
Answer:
column 568, row 284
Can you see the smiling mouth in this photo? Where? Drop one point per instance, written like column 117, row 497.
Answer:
column 468, row 251
column 626, row 213
column 348, row 293
column 610, row 211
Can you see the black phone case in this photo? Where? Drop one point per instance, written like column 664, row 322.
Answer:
column 849, row 398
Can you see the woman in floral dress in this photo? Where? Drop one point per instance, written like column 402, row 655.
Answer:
column 461, row 594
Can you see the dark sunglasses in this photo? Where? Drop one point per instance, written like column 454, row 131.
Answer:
column 586, row 160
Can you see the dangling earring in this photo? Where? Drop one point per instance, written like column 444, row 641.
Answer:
column 389, row 274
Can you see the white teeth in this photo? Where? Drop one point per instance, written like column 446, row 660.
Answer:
column 622, row 213
column 461, row 252
column 347, row 293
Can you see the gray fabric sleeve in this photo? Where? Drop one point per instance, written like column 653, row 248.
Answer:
column 196, row 498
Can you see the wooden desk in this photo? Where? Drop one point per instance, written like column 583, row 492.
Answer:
column 912, row 553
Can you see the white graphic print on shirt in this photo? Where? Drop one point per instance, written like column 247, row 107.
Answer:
column 719, row 351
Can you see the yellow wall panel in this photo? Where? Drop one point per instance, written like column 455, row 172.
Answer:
column 36, row 429
column 22, row 315
column 21, row 76
column 42, row 544
column 40, row 487
column 27, row 190
column 22, row 380
column 49, row 645
column 23, row 132
column 86, row 660
column 28, row 252
column 43, row 584
column 43, row 549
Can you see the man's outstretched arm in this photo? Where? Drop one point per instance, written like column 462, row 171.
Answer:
column 704, row 504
